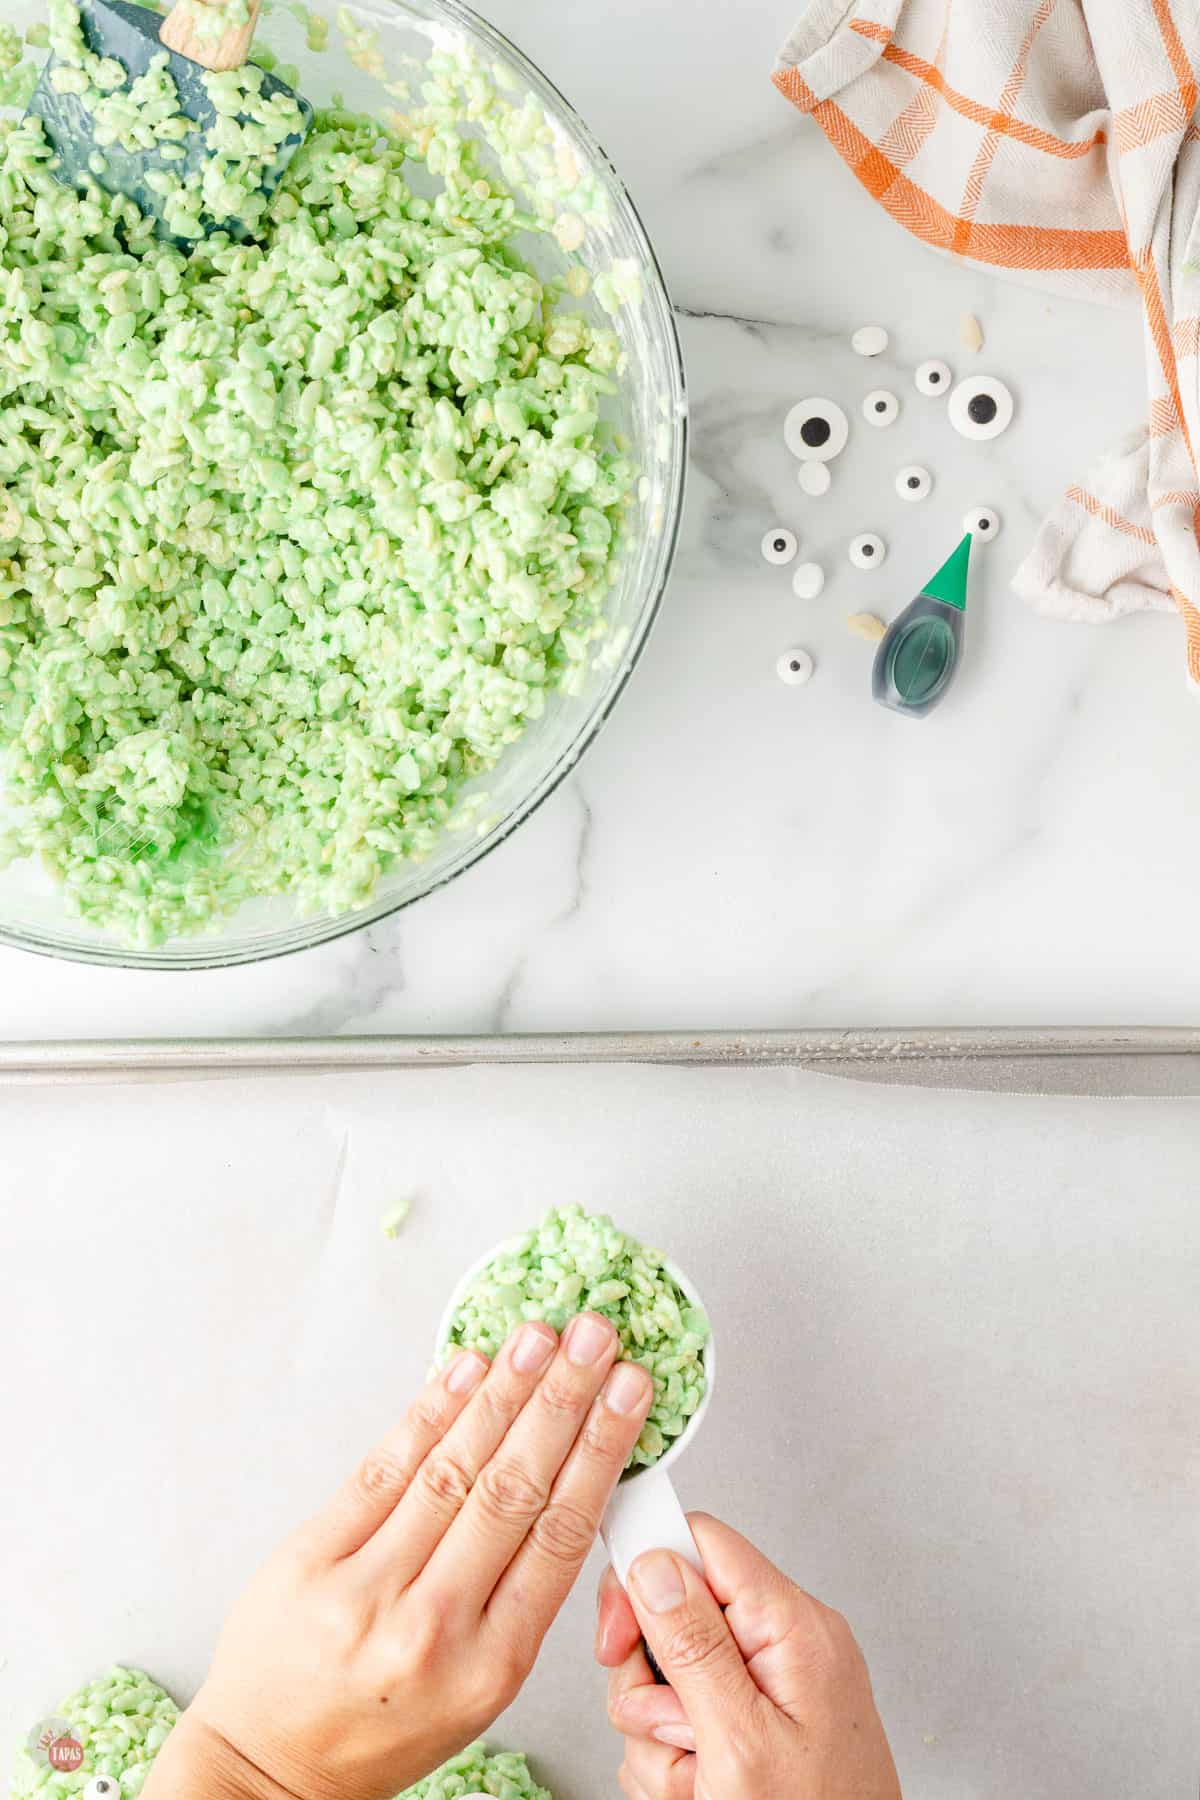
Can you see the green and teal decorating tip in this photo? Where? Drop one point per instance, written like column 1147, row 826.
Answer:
column 917, row 657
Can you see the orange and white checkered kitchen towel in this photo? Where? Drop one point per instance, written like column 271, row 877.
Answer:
column 1058, row 141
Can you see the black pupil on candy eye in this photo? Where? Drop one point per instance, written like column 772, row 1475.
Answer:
column 795, row 668
column 868, row 549
column 881, row 406
column 934, row 377
column 981, row 408
column 815, row 432
column 914, row 481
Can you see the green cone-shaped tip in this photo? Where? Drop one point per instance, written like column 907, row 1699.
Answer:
column 950, row 582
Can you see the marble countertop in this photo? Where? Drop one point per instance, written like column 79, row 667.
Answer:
column 734, row 852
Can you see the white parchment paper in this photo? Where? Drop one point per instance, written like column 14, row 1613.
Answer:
column 960, row 1361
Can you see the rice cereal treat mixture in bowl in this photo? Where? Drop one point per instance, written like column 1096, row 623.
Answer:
column 577, row 1262
column 333, row 516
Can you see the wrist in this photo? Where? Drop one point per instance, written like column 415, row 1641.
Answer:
column 198, row 1763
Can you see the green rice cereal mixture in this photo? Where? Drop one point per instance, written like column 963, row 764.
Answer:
column 122, row 1721
column 297, row 535
column 473, row 1771
column 580, row 1262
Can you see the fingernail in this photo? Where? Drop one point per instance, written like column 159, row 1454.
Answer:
column 680, row 1737
column 532, row 1350
column 625, row 1389
column 658, row 1581
column 588, row 1339
column 466, row 1373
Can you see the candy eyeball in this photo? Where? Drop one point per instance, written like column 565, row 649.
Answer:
column 795, row 667
column 983, row 523
column 808, row 581
column 816, row 430
column 867, row 550
column 814, row 478
column 881, row 408
column 981, row 407
column 869, row 340
column 933, row 377
column 102, row 1787
column 779, row 546
column 914, row 483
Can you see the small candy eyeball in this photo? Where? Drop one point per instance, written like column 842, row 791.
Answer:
column 870, row 340
column 814, row 478
column 795, row 667
column 914, row 483
column 808, row 581
column 933, row 377
column 102, row 1787
column 981, row 407
column 983, row 523
column 816, row 430
column 867, row 550
column 779, row 546
column 881, row 408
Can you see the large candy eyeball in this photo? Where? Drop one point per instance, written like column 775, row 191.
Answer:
column 869, row 340
column 808, row 581
column 814, row 478
column 933, row 378
column 881, row 408
column 981, row 407
column 914, row 483
column 795, row 667
column 102, row 1787
column 816, row 430
column 867, row 550
column 982, row 522
column 779, row 546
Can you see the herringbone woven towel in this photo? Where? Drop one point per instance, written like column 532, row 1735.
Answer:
column 1058, row 141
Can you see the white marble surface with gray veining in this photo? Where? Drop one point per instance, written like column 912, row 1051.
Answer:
column 734, row 852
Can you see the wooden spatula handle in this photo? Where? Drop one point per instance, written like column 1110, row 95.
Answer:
column 183, row 31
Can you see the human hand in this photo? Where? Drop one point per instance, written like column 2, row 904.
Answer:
column 392, row 1629
column 769, row 1699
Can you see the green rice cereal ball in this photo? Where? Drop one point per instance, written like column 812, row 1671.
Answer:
column 473, row 1771
column 580, row 1262
column 121, row 1721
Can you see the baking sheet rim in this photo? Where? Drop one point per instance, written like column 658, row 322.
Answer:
column 1145, row 1059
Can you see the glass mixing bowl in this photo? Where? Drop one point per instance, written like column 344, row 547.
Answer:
column 651, row 410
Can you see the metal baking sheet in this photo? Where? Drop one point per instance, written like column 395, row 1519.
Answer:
column 1146, row 1061
column 958, row 1336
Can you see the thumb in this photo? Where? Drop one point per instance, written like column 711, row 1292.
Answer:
column 693, row 1646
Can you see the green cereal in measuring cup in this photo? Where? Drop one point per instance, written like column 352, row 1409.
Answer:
column 581, row 1262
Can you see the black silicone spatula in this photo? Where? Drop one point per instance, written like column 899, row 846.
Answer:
column 133, row 36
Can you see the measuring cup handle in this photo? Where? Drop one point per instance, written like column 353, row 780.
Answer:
column 644, row 1514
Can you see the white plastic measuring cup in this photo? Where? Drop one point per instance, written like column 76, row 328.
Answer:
column 644, row 1512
